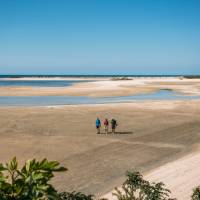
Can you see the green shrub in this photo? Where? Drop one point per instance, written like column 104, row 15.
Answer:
column 31, row 182
column 136, row 188
column 75, row 196
column 196, row 194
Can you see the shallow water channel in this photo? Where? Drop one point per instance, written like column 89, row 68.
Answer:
column 75, row 100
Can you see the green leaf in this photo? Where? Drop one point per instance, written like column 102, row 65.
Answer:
column 13, row 164
column 2, row 168
column 31, row 182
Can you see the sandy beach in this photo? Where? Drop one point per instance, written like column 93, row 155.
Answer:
column 66, row 64
column 150, row 136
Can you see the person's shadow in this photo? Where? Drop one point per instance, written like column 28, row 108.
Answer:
column 119, row 132
column 123, row 132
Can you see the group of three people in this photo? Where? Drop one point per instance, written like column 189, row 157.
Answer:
column 113, row 123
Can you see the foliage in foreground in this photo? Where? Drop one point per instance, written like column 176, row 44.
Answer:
column 136, row 188
column 196, row 194
column 31, row 182
column 75, row 196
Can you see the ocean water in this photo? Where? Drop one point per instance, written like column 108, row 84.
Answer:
column 74, row 100
column 81, row 76
column 38, row 83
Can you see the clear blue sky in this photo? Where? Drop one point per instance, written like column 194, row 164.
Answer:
column 99, row 36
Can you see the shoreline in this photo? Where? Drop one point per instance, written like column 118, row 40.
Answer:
column 164, row 104
column 54, row 78
column 76, row 77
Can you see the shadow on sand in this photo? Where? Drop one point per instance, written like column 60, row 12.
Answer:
column 124, row 132
column 117, row 132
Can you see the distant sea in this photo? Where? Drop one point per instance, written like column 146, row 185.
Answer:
column 81, row 76
column 60, row 80
column 56, row 80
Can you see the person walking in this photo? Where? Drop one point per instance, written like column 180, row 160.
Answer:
column 98, row 125
column 106, row 125
column 113, row 125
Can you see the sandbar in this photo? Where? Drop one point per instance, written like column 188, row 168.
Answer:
column 106, row 87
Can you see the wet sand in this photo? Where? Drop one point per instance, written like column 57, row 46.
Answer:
column 106, row 87
column 150, row 135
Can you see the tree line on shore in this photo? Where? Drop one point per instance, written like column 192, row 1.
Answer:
column 32, row 182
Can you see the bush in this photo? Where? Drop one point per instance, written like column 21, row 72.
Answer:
column 196, row 194
column 75, row 196
column 31, row 182
column 136, row 188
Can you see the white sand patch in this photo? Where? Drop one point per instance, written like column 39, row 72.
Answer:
column 180, row 176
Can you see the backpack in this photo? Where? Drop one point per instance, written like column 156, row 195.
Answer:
column 105, row 122
column 114, row 122
column 98, row 122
